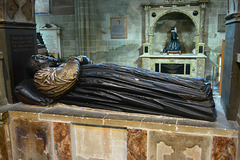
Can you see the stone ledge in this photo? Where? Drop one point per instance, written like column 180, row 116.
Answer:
column 84, row 115
column 194, row 3
column 181, row 56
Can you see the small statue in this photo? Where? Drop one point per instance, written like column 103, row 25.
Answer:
column 174, row 44
column 120, row 88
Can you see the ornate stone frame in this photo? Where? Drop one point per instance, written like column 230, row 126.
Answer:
column 164, row 9
column 196, row 60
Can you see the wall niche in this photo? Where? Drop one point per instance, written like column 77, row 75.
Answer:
column 186, row 31
column 189, row 19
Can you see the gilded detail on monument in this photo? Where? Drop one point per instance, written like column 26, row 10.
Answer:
column 12, row 8
column 27, row 10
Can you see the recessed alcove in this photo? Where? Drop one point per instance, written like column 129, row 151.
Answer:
column 186, row 31
column 189, row 20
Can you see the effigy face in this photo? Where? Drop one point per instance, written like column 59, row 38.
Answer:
column 37, row 62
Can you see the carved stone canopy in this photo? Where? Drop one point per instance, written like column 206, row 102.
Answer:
column 188, row 18
column 194, row 11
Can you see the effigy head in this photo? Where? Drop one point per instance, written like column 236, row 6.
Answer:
column 173, row 29
column 54, row 82
column 37, row 62
column 84, row 60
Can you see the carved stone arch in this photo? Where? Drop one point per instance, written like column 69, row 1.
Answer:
column 154, row 23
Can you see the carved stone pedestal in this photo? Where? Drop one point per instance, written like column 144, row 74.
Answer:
column 71, row 132
column 188, row 65
column 18, row 40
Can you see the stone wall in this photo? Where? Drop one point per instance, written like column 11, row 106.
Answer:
column 231, row 70
column 88, row 30
column 67, row 32
column 42, row 6
column 120, row 51
column 213, row 38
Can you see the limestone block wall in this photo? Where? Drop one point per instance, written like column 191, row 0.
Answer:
column 213, row 38
column 66, row 23
column 70, row 132
column 88, row 30
column 42, row 6
column 120, row 51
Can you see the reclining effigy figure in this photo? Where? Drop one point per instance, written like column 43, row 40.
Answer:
column 120, row 88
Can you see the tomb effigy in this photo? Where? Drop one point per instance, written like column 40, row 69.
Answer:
column 120, row 88
column 174, row 45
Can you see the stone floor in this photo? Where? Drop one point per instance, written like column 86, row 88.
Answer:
column 217, row 100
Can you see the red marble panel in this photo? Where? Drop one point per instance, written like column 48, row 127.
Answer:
column 224, row 148
column 62, row 140
column 8, row 141
column 136, row 144
column 3, row 145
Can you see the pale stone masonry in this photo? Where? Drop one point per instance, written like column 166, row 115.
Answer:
column 70, row 132
column 88, row 30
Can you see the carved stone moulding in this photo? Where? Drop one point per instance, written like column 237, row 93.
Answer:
column 12, row 8
column 233, row 7
column 17, row 11
column 27, row 10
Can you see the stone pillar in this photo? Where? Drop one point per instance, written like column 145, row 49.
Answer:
column 3, row 99
column 231, row 68
column 18, row 40
column 203, row 6
column 146, row 8
column 84, row 23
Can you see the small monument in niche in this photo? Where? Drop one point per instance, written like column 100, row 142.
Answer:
column 51, row 37
column 174, row 45
column 180, row 15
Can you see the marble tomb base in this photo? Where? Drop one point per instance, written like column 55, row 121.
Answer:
column 70, row 132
